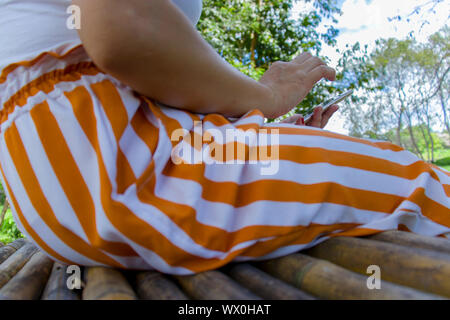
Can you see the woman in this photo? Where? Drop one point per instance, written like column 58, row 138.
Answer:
column 87, row 154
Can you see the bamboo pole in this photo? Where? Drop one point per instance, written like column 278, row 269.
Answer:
column 409, row 239
column 214, row 285
column 15, row 262
column 7, row 250
column 265, row 285
column 425, row 270
column 152, row 285
column 325, row 280
column 106, row 284
column 17, row 244
column 29, row 282
column 56, row 288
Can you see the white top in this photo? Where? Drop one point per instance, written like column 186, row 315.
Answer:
column 30, row 27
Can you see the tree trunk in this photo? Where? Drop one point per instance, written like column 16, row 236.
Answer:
column 413, row 139
column 444, row 110
column 5, row 208
column 426, row 101
column 425, row 138
column 253, row 48
column 414, row 143
column 432, row 143
column 402, row 96
column 398, row 130
column 254, row 39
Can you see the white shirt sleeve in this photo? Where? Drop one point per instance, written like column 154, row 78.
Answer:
column 191, row 8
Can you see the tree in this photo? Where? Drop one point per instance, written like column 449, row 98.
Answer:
column 413, row 96
column 253, row 34
column 438, row 53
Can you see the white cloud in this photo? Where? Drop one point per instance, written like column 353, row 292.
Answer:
column 373, row 20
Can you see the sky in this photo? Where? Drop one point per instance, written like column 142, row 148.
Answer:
column 368, row 20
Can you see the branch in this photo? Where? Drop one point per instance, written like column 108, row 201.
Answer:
column 441, row 80
column 5, row 208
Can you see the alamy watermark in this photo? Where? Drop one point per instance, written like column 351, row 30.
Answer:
column 74, row 280
column 74, row 19
column 229, row 146
column 374, row 281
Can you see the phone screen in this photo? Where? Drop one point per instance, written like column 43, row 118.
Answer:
column 331, row 102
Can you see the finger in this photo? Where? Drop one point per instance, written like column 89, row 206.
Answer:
column 312, row 63
column 302, row 57
column 300, row 121
column 297, row 119
column 320, row 72
column 292, row 119
column 316, row 119
column 328, row 114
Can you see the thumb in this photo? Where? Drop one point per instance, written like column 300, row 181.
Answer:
column 300, row 121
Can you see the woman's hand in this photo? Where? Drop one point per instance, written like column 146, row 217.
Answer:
column 318, row 120
column 290, row 82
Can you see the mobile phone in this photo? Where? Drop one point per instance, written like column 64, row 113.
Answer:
column 331, row 102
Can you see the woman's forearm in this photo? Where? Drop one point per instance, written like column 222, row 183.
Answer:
column 152, row 47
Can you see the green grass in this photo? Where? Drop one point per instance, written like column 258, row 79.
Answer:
column 443, row 158
column 442, row 153
column 8, row 229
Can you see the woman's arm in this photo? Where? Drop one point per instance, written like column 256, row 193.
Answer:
column 152, row 47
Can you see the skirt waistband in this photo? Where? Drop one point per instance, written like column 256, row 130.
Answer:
column 20, row 81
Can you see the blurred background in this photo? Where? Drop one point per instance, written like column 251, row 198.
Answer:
column 395, row 54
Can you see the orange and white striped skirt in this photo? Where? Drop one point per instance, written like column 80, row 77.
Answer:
column 90, row 173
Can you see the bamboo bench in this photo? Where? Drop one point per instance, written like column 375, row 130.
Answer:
column 412, row 267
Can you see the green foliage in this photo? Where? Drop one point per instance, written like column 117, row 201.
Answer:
column 257, row 33
column 9, row 231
